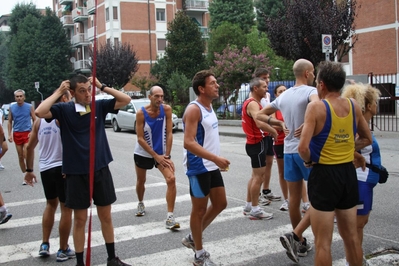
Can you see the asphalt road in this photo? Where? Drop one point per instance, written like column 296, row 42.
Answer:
column 232, row 239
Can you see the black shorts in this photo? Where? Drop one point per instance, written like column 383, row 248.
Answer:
column 78, row 190
column 279, row 151
column 269, row 146
column 257, row 153
column 53, row 184
column 201, row 185
column 144, row 162
column 333, row 187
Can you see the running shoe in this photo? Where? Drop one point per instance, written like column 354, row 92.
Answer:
column 263, row 201
column 5, row 216
column 291, row 246
column 1, row 166
column 171, row 223
column 44, row 250
column 305, row 207
column 303, row 248
column 260, row 214
column 203, row 260
column 270, row 196
column 116, row 262
column 246, row 210
column 63, row 255
column 140, row 209
column 284, row 206
column 188, row 242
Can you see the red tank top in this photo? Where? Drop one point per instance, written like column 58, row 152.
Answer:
column 280, row 133
column 254, row 134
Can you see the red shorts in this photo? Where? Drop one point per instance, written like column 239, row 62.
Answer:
column 21, row 138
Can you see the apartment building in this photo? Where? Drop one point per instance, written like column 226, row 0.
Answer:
column 141, row 23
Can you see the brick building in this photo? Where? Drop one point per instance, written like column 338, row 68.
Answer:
column 143, row 24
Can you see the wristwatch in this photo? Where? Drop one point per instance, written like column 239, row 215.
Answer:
column 103, row 86
column 167, row 156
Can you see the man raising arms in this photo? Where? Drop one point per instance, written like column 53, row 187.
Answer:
column 154, row 144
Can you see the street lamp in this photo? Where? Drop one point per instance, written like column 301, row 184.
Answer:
column 277, row 69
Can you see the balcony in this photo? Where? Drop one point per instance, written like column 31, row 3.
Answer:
column 204, row 31
column 65, row 2
column 80, row 14
column 82, row 66
column 79, row 40
column 67, row 21
column 200, row 5
column 90, row 34
column 91, row 7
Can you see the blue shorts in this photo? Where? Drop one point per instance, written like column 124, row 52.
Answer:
column 294, row 170
column 365, row 198
column 201, row 185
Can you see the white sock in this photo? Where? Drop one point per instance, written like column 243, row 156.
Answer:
column 169, row 214
column 255, row 208
column 198, row 253
column 248, row 204
column 3, row 208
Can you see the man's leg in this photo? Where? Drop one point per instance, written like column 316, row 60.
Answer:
column 295, row 192
column 283, row 183
column 171, row 187
column 254, row 185
column 48, row 219
column 107, row 228
column 21, row 157
column 346, row 222
column 362, row 220
column 140, row 183
column 322, row 227
column 4, row 149
column 79, row 226
column 64, row 227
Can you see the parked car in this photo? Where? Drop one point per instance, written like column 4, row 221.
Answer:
column 6, row 109
column 126, row 117
column 105, row 96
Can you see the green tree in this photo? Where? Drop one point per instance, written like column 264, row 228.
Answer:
column 116, row 64
column 267, row 9
column 281, row 68
column 296, row 32
column 6, row 95
column 185, row 49
column 240, row 12
column 179, row 85
column 225, row 34
column 38, row 51
column 144, row 83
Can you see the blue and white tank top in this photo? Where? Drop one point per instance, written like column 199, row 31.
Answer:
column 153, row 127
column 50, row 151
column 208, row 137
column 371, row 154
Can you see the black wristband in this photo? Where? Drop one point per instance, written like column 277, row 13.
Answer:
column 310, row 162
column 268, row 120
column 167, row 157
column 29, row 170
column 103, row 87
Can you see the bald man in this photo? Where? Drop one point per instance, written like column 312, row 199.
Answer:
column 292, row 104
column 154, row 144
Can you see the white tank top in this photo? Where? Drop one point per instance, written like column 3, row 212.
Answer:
column 50, row 151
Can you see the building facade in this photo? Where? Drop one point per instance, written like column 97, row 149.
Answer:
column 142, row 24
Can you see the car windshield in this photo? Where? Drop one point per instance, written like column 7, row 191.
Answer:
column 140, row 104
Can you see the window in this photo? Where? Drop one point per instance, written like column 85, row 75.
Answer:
column 107, row 14
column 160, row 14
column 115, row 12
column 161, row 44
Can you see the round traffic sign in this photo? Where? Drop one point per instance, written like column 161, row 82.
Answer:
column 327, row 40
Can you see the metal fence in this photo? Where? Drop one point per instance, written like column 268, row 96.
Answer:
column 387, row 116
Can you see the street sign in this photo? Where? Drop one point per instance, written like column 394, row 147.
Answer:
column 36, row 85
column 326, row 40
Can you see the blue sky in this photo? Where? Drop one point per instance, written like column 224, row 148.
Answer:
column 7, row 5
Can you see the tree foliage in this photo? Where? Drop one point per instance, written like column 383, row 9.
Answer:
column 225, row 34
column 281, row 68
column 179, row 85
column 144, row 83
column 38, row 50
column 234, row 67
column 185, row 49
column 296, row 32
column 267, row 9
column 240, row 12
column 6, row 96
column 116, row 64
